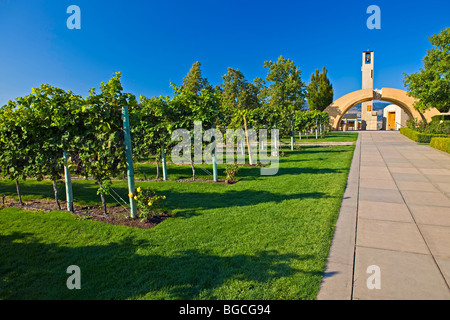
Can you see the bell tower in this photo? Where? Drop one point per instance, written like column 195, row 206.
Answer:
column 368, row 116
column 367, row 70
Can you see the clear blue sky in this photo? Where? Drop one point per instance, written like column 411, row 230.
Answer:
column 155, row 42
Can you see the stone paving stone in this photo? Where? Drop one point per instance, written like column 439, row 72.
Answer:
column 384, row 211
column 416, row 186
column 371, row 158
column 441, row 171
column 392, row 157
column 437, row 239
column 396, row 160
column 431, row 215
column 403, row 276
column 425, row 164
column 375, row 173
column 444, row 266
column 387, row 183
column 443, row 186
column 390, row 235
column 400, row 165
column 380, row 195
column 438, row 178
column 369, row 163
column 437, row 199
column 410, row 170
column 409, row 177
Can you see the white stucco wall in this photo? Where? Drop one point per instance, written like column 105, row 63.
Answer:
column 400, row 116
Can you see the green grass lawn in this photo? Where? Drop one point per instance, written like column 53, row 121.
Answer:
column 265, row 237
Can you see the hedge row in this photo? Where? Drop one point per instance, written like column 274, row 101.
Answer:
column 439, row 117
column 441, row 144
column 419, row 136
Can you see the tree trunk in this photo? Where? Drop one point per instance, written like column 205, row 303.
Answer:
column 18, row 192
column 55, row 190
column 193, row 169
column 157, row 169
column 102, row 197
column 250, row 160
column 292, row 139
column 164, row 164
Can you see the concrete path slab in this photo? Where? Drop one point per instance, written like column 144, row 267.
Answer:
column 386, row 211
column 403, row 276
column 395, row 217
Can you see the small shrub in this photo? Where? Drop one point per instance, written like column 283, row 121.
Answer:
column 148, row 203
column 231, row 171
column 439, row 117
column 441, row 144
column 439, row 127
column 417, row 125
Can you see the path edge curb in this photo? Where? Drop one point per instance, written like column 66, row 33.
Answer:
column 337, row 280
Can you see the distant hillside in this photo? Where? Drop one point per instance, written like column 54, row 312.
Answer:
column 377, row 106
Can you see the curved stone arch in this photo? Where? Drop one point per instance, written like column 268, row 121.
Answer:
column 341, row 106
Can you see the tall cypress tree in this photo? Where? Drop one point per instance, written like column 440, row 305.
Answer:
column 194, row 82
column 319, row 91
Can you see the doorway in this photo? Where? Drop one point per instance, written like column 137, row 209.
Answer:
column 391, row 121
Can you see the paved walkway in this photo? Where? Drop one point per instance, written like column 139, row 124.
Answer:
column 395, row 215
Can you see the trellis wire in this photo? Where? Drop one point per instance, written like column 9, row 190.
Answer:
column 117, row 200
column 205, row 170
column 119, row 196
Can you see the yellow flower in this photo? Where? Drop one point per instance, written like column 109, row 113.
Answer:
column 163, row 197
column 150, row 203
column 139, row 189
column 130, row 195
column 135, row 198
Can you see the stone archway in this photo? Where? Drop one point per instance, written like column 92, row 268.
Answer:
column 341, row 106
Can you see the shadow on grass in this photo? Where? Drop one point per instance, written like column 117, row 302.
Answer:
column 31, row 269
column 182, row 201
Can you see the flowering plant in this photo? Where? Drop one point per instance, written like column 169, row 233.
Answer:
column 148, row 203
column 231, row 171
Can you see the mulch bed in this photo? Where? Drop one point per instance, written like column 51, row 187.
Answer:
column 115, row 216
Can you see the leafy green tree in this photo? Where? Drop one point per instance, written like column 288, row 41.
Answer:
column 239, row 100
column 186, row 107
column 16, row 140
column 55, row 121
column 286, row 92
column 319, row 91
column 311, row 120
column 101, row 147
column 431, row 85
column 149, row 128
column 194, row 82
